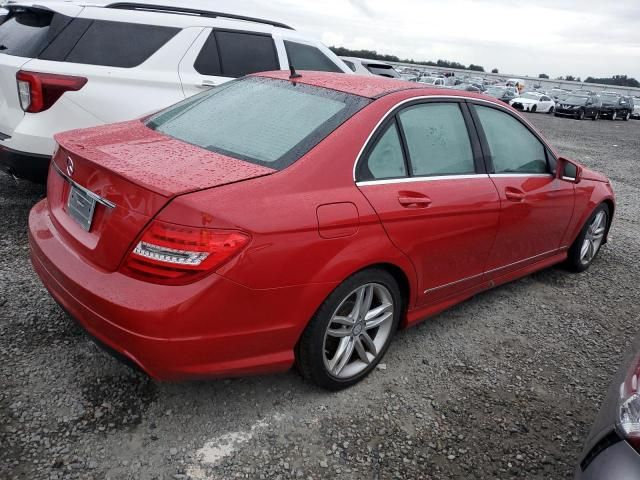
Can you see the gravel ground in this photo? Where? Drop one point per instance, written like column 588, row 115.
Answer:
column 503, row 386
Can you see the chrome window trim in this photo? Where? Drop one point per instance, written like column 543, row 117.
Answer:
column 426, row 97
column 432, row 178
column 94, row 196
column 520, row 175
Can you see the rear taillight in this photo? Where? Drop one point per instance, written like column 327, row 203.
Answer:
column 629, row 414
column 174, row 254
column 39, row 91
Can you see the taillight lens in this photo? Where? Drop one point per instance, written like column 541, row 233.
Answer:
column 629, row 415
column 174, row 254
column 39, row 91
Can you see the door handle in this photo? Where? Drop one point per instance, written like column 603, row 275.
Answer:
column 206, row 84
column 414, row 202
column 514, row 194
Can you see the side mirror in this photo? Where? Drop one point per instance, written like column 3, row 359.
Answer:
column 568, row 171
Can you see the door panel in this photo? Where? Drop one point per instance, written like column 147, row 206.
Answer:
column 447, row 233
column 536, row 207
column 536, row 211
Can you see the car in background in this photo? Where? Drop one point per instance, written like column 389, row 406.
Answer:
column 3, row 14
column 501, row 92
column 636, row 108
column 362, row 66
column 612, row 448
column 393, row 201
column 579, row 107
column 616, row 106
column 436, row 82
column 467, row 87
column 533, row 102
column 558, row 94
column 68, row 65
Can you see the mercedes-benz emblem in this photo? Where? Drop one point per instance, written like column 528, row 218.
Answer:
column 70, row 166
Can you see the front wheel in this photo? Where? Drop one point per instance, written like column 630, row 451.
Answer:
column 627, row 117
column 596, row 116
column 534, row 109
column 351, row 330
column 580, row 115
column 614, row 115
column 589, row 241
column 550, row 110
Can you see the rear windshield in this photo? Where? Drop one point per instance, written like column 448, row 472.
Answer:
column 26, row 32
column 264, row 121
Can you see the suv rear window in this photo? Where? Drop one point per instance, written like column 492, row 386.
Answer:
column 383, row 70
column 26, row 32
column 119, row 44
column 263, row 121
column 43, row 34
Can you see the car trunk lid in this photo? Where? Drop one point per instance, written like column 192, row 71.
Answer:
column 134, row 172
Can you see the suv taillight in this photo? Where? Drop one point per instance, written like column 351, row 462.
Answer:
column 175, row 254
column 39, row 91
column 629, row 414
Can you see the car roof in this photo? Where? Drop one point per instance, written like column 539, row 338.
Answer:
column 370, row 87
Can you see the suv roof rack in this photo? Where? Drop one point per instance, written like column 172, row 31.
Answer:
column 191, row 11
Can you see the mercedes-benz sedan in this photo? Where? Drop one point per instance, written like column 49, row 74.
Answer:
column 276, row 220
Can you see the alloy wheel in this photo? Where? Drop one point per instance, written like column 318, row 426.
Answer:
column 358, row 330
column 593, row 238
column 614, row 115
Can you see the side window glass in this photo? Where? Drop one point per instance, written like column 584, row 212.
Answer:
column 437, row 139
column 306, row 57
column 245, row 53
column 208, row 61
column 514, row 149
column 386, row 159
column 129, row 44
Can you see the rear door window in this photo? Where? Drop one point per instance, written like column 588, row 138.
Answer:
column 27, row 32
column 437, row 140
column 234, row 54
column 307, row 57
column 268, row 122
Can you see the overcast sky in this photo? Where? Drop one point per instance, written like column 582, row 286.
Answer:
column 558, row 37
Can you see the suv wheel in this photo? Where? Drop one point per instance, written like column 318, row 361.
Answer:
column 627, row 116
column 351, row 331
column 580, row 115
column 614, row 115
column 596, row 116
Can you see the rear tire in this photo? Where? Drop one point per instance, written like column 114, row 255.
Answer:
column 596, row 116
column 627, row 117
column 342, row 343
column 586, row 247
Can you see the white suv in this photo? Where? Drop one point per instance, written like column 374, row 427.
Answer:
column 67, row 65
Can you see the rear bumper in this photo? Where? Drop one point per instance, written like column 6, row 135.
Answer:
column 24, row 165
column 212, row 328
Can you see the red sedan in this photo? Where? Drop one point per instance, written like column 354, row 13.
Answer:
column 275, row 220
